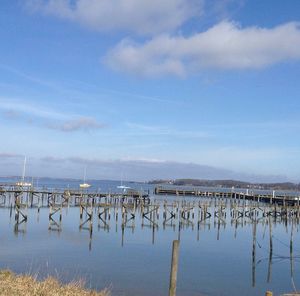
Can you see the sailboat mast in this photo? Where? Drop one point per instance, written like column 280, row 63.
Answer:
column 24, row 169
column 84, row 185
column 84, row 175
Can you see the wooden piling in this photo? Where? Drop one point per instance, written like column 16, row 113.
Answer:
column 174, row 268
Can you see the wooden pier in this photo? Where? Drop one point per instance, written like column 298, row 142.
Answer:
column 128, row 206
column 283, row 199
column 15, row 195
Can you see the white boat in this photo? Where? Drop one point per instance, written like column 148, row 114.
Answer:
column 22, row 183
column 123, row 186
column 84, row 185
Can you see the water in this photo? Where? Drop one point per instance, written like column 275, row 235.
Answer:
column 214, row 259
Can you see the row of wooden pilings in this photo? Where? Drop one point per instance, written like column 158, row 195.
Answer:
column 185, row 210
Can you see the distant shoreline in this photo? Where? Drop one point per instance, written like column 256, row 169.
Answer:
column 186, row 182
column 228, row 184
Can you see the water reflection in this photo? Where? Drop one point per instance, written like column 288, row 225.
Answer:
column 177, row 216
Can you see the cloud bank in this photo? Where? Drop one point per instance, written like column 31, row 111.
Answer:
column 5, row 155
column 141, row 17
column 147, row 169
column 139, row 169
column 224, row 46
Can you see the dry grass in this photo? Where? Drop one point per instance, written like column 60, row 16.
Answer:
column 25, row 285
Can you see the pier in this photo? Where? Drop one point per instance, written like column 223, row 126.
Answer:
column 11, row 195
column 128, row 206
column 283, row 199
column 211, row 204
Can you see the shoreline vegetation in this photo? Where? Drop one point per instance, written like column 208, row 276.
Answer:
column 28, row 285
column 228, row 184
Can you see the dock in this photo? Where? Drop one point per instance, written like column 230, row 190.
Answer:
column 128, row 205
column 10, row 194
column 283, row 199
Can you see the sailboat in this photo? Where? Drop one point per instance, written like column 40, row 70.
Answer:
column 84, row 184
column 22, row 182
column 123, row 186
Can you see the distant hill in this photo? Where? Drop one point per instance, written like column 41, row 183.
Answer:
column 229, row 183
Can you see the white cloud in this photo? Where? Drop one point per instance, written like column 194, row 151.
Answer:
column 224, row 46
column 82, row 123
column 29, row 108
column 44, row 116
column 148, row 130
column 140, row 16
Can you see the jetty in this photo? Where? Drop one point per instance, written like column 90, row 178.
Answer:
column 21, row 201
column 11, row 194
column 283, row 199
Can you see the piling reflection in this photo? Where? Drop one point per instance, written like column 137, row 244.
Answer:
column 270, row 250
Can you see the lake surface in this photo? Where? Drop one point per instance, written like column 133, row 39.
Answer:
column 215, row 256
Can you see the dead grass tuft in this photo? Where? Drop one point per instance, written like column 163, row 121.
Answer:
column 25, row 285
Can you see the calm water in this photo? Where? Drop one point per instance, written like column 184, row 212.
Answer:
column 215, row 259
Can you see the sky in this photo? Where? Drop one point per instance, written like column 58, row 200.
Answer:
column 150, row 89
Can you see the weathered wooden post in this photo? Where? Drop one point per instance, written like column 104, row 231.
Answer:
column 174, row 268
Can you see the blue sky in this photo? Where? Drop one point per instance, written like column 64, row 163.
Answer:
column 150, row 89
